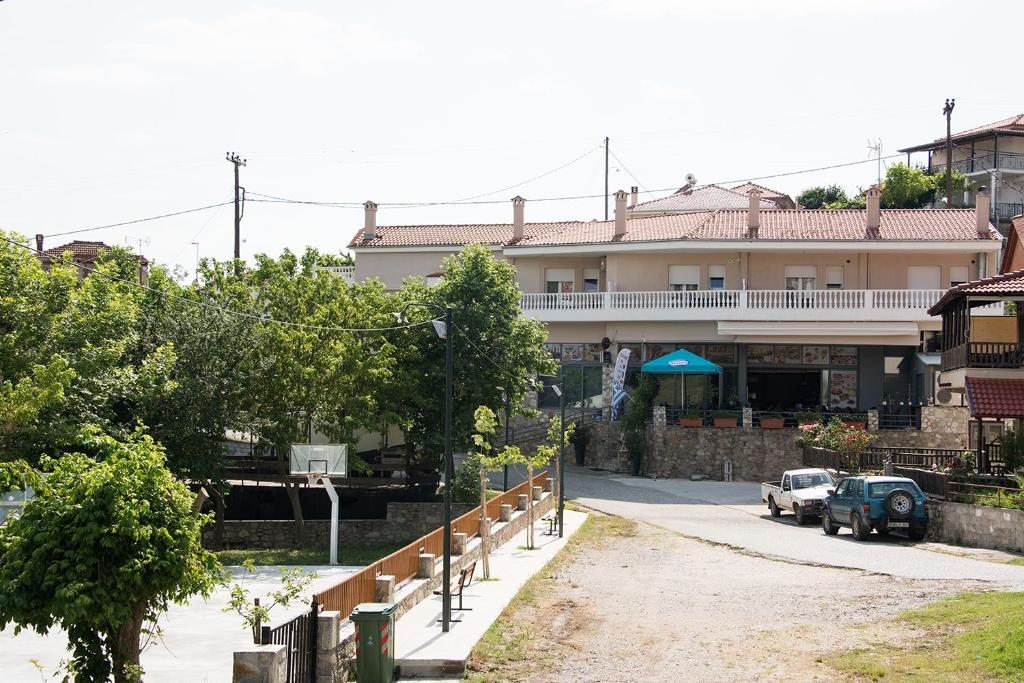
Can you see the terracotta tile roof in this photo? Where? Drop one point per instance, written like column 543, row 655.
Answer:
column 895, row 224
column 995, row 397
column 766, row 192
column 82, row 251
column 455, row 235
column 1012, row 125
column 1006, row 284
column 705, row 198
column 803, row 224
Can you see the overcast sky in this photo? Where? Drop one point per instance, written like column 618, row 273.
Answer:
column 112, row 111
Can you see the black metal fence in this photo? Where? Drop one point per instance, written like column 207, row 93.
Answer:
column 299, row 635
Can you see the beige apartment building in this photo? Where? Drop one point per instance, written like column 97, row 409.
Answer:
column 801, row 308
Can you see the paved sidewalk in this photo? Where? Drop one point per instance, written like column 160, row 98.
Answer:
column 199, row 637
column 422, row 650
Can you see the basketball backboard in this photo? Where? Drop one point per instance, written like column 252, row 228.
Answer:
column 329, row 459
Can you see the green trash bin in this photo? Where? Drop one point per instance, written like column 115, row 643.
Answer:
column 375, row 641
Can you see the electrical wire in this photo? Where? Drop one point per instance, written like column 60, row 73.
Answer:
column 998, row 176
column 138, row 220
column 404, row 205
column 219, row 309
column 631, row 174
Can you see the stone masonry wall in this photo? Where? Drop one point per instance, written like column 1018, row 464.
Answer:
column 977, row 526
column 405, row 522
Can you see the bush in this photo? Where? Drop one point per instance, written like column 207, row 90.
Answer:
column 807, row 418
column 834, row 436
column 724, row 413
column 1012, row 450
column 466, row 482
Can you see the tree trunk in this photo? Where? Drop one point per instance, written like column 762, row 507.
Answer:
column 485, row 528
column 292, row 489
column 124, row 647
column 529, row 506
column 218, row 516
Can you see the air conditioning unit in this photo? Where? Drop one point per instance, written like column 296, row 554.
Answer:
column 944, row 396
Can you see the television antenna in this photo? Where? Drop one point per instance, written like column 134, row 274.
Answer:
column 876, row 148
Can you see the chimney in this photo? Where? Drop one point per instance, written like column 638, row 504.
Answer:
column 633, row 192
column 754, row 210
column 518, row 204
column 620, row 213
column 874, row 202
column 982, row 205
column 39, row 242
column 369, row 220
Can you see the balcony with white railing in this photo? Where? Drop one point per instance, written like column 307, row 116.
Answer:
column 346, row 272
column 742, row 305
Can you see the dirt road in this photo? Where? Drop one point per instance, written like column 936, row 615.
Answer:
column 634, row 602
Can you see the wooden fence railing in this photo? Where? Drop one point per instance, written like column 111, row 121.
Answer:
column 360, row 587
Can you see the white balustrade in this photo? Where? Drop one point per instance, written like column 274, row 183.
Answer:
column 752, row 304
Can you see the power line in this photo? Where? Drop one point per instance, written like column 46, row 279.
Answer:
column 137, row 220
column 994, row 173
column 218, row 309
column 405, row 205
column 631, row 174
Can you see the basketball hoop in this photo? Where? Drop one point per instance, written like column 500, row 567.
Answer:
column 313, row 478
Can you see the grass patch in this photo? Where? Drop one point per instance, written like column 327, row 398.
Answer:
column 288, row 557
column 1017, row 561
column 969, row 637
column 510, row 649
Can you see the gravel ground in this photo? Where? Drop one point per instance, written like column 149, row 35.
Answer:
column 659, row 606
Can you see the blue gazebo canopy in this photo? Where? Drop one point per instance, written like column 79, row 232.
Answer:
column 681, row 362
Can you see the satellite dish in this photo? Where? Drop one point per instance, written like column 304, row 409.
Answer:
column 691, row 179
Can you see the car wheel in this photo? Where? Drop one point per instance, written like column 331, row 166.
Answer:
column 917, row 535
column 827, row 525
column 860, row 531
column 799, row 512
column 773, row 508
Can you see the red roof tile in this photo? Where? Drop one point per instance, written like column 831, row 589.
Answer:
column 705, row 198
column 82, row 251
column 804, row 224
column 1011, row 125
column 1014, row 241
column 766, row 192
column 995, row 397
column 1006, row 284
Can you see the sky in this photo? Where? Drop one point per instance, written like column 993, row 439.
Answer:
column 113, row 111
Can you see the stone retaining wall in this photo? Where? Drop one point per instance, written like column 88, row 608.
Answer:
column 405, row 523
column 977, row 526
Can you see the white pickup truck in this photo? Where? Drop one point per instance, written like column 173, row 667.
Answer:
column 802, row 491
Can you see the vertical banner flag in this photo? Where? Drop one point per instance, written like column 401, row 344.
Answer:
column 619, row 381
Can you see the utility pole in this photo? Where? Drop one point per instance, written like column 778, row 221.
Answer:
column 606, row 177
column 947, row 111
column 239, row 198
column 877, row 149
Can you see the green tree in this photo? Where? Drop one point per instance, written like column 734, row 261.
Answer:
column 486, row 423
column 495, row 349
column 819, row 196
column 103, row 549
column 907, row 188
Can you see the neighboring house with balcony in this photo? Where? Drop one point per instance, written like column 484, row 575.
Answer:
column 990, row 155
column 801, row 308
column 983, row 356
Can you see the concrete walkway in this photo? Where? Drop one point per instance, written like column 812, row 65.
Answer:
column 198, row 640
column 423, row 651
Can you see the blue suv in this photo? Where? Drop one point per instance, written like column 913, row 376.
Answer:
column 879, row 503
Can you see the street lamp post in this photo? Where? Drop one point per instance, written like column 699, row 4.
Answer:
column 447, row 333
column 561, row 454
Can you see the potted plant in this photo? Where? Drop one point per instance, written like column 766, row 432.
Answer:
column 580, row 438
column 724, row 418
column 691, row 418
column 773, row 421
column 807, row 418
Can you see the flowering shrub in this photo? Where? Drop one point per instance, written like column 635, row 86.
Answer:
column 961, row 465
column 835, row 435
